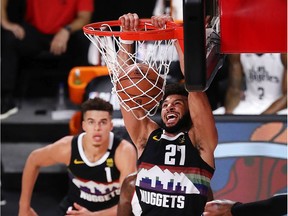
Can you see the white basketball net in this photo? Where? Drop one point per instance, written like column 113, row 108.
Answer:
column 156, row 54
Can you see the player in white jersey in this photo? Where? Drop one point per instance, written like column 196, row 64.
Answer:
column 265, row 80
column 172, row 7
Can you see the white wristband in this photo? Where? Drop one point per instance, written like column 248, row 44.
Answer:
column 128, row 42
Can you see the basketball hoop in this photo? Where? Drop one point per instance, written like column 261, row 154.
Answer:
column 153, row 47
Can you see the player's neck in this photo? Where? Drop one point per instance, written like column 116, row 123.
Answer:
column 169, row 134
column 94, row 152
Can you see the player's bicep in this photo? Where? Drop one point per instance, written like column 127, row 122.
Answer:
column 138, row 130
column 41, row 157
column 203, row 120
column 126, row 159
column 52, row 154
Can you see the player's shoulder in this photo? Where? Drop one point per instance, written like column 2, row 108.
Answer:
column 125, row 144
column 59, row 149
column 66, row 140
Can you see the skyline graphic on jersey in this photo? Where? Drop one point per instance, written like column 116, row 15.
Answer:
column 163, row 180
column 93, row 187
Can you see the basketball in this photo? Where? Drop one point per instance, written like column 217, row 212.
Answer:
column 140, row 86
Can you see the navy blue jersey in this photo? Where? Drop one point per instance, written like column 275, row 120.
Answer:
column 93, row 185
column 172, row 178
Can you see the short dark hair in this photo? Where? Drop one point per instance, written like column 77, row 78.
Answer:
column 96, row 104
column 175, row 88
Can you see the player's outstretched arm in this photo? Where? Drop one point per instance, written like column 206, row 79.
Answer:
column 203, row 132
column 58, row 152
column 139, row 130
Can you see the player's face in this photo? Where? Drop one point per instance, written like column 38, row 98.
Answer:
column 97, row 125
column 174, row 107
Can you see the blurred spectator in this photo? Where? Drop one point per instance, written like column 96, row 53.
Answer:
column 171, row 7
column 54, row 26
column 257, row 84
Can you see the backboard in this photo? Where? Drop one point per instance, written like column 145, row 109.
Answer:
column 202, row 55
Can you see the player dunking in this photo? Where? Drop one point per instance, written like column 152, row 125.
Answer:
column 176, row 160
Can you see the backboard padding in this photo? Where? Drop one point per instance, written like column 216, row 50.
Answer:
column 257, row 26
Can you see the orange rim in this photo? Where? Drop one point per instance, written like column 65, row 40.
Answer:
column 173, row 30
